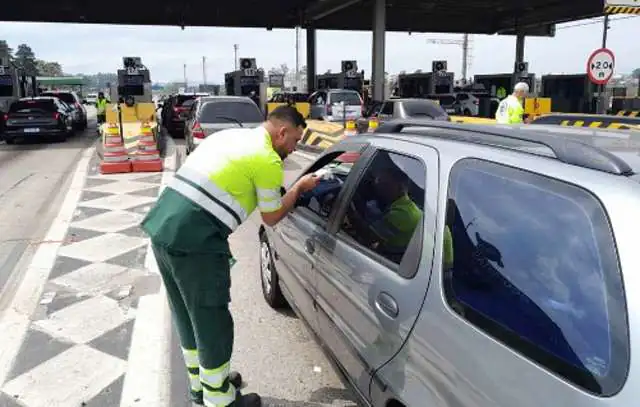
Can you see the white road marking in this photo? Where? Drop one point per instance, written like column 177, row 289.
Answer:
column 118, row 202
column 148, row 378
column 102, row 248
column 69, row 379
column 85, row 320
column 122, row 187
column 110, row 222
column 99, row 278
column 14, row 322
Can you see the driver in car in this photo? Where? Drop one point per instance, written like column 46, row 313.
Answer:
column 391, row 232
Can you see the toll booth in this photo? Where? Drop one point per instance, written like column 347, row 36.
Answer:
column 570, row 93
column 420, row 85
column 134, row 82
column 501, row 85
column 347, row 78
column 246, row 81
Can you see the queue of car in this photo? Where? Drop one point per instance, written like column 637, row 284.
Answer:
column 52, row 115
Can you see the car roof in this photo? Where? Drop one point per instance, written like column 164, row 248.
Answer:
column 411, row 100
column 37, row 98
column 615, row 152
column 226, row 99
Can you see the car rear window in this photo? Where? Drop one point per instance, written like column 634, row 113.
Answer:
column 181, row 100
column 228, row 111
column 64, row 96
column 444, row 100
column 423, row 109
column 32, row 106
column 535, row 266
column 350, row 98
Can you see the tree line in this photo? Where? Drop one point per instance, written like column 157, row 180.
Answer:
column 25, row 60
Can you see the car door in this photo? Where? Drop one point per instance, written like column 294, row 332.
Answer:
column 293, row 238
column 369, row 294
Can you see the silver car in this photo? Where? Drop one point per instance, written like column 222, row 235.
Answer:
column 210, row 114
column 457, row 265
column 335, row 105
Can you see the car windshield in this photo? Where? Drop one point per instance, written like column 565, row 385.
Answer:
column 224, row 112
column 349, row 98
column 64, row 96
column 32, row 106
column 423, row 108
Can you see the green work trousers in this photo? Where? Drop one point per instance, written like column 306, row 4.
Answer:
column 198, row 290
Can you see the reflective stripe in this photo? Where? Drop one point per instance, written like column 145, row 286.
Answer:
column 219, row 398
column 215, row 377
column 205, row 183
column 198, row 197
column 190, row 357
column 194, row 380
column 267, row 194
column 269, row 206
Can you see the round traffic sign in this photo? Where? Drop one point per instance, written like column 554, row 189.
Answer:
column 600, row 66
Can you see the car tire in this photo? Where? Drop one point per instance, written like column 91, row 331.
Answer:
column 467, row 112
column 84, row 125
column 10, row 140
column 269, row 277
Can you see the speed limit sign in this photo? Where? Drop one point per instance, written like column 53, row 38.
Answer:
column 600, row 66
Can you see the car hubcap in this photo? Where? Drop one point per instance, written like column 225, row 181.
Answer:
column 265, row 267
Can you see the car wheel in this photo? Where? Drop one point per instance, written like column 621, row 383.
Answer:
column 467, row 112
column 10, row 140
column 84, row 125
column 269, row 277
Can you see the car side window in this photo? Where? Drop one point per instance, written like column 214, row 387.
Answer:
column 322, row 199
column 535, row 267
column 387, row 205
column 387, row 109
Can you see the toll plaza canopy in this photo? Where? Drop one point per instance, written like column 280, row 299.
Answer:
column 463, row 16
column 60, row 80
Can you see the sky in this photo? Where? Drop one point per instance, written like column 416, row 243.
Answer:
column 164, row 50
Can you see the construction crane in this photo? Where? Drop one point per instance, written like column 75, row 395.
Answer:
column 465, row 43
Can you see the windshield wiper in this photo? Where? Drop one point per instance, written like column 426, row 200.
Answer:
column 231, row 119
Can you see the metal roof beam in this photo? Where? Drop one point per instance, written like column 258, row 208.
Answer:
column 324, row 8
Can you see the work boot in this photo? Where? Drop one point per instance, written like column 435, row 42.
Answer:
column 235, row 378
column 248, row 400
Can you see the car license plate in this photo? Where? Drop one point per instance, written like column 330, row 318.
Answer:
column 32, row 130
column 451, row 110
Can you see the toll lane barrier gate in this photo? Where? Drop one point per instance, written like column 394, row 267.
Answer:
column 590, row 120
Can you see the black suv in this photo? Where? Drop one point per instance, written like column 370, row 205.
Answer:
column 75, row 102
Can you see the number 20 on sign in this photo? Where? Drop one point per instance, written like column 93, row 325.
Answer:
column 600, row 66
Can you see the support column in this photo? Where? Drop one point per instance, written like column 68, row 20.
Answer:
column 377, row 52
column 520, row 47
column 311, row 60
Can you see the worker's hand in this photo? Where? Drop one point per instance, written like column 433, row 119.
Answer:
column 307, row 182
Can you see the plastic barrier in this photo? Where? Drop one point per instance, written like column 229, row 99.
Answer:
column 114, row 158
column 147, row 155
column 350, row 129
column 590, row 120
column 535, row 107
column 302, row 107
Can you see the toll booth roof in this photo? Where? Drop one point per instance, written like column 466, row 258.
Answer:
column 462, row 16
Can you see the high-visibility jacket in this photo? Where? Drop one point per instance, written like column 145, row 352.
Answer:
column 230, row 174
column 101, row 106
column 510, row 111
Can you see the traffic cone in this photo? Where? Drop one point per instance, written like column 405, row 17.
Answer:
column 373, row 124
column 114, row 158
column 350, row 128
column 147, row 157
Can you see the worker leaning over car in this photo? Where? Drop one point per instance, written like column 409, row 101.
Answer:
column 214, row 191
column 510, row 110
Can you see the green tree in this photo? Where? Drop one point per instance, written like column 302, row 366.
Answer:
column 25, row 60
column 6, row 49
column 46, row 68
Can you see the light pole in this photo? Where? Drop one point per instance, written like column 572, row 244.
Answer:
column 184, row 74
column 235, row 56
column 204, row 71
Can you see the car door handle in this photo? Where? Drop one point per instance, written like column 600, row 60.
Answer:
column 387, row 304
column 309, row 246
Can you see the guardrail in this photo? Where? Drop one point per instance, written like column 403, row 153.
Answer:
column 590, row 120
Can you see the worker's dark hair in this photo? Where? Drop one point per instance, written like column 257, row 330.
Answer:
column 288, row 114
